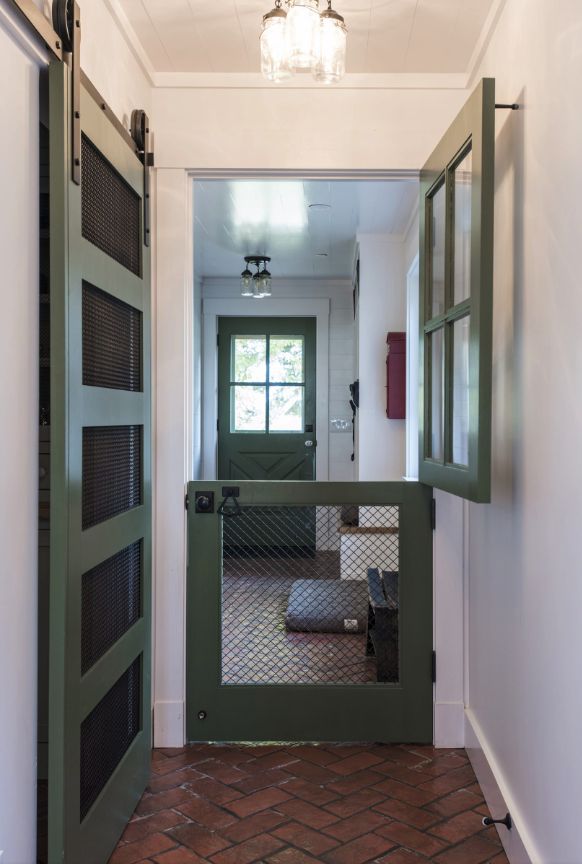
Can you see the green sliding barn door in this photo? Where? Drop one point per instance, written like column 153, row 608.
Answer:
column 99, row 703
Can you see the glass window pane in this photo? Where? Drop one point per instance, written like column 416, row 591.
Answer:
column 249, row 358
column 463, row 185
column 437, row 385
column 461, row 391
column 286, row 409
column 286, row 359
column 437, row 252
column 248, row 409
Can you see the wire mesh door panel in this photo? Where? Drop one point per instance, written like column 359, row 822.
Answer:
column 310, row 613
column 295, row 596
column 100, row 505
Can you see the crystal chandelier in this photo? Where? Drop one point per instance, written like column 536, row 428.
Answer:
column 302, row 38
column 259, row 284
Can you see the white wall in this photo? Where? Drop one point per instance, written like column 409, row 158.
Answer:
column 341, row 360
column 19, row 451
column 382, row 309
column 302, row 129
column 525, row 590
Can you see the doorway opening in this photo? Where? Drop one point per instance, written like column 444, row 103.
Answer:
column 304, row 581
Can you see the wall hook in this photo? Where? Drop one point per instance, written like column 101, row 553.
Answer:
column 488, row 821
column 512, row 106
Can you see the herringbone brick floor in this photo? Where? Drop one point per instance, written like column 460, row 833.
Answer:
column 300, row 804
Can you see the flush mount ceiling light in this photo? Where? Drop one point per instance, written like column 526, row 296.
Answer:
column 301, row 38
column 256, row 285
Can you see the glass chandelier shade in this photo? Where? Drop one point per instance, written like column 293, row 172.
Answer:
column 331, row 65
column 274, row 57
column 303, row 39
column 246, row 283
column 303, row 26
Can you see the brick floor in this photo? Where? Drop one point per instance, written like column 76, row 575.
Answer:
column 295, row 805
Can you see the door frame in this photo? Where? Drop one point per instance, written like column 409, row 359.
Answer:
column 174, row 417
column 269, row 307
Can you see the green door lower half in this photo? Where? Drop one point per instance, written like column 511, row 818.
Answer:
column 309, row 612
column 100, row 510
column 266, row 398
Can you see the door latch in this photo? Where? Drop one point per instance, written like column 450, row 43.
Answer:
column 204, row 502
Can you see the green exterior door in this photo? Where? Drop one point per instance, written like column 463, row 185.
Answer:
column 100, row 512
column 283, row 643
column 266, row 398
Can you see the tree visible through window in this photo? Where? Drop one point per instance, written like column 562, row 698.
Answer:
column 267, row 383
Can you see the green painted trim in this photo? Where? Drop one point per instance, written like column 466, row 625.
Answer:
column 379, row 712
column 474, row 123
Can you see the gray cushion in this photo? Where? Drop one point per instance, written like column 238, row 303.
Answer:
column 328, row 606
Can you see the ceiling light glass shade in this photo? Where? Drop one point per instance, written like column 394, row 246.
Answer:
column 257, row 288
column 246, row 283
column 274, row 56
column 331, row 65
column 265, row 278
column 303, row 33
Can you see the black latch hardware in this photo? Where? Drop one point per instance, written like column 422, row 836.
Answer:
column 140, row 132
column 228, row 511
column 204, row 502
column 433, row 667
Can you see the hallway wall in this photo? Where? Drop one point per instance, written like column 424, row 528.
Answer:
column 525, row 590
column 19, row 225
column 382, row 309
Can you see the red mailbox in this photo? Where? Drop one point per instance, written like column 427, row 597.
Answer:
column 396, row 376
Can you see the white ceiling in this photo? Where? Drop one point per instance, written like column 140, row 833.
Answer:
column 307, row 227
column 385, row 36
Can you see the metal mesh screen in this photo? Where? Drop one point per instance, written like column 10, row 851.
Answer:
column 110, row 209
column 107, row 732
column 111, row 602
column 112, row 471
column 296, row 597
column 112, row 341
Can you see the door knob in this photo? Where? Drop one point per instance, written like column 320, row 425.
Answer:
column 309, row 444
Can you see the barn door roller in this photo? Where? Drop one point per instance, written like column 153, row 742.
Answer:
column 67, row 23
column 140, row 132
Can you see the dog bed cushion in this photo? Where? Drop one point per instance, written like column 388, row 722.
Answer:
column 328, row 606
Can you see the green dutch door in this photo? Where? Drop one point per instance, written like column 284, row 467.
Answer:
column 100, row 591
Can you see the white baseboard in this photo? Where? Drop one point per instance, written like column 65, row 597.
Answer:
column 449, row 724
column 518, row 845
column 169, row 729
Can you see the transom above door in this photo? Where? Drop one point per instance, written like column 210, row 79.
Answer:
column 266, row 401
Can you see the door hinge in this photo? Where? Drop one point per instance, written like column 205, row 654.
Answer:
column 218, row 340
column 186, row 502
column 433, row 667
column 433, row 514
column 218, row 425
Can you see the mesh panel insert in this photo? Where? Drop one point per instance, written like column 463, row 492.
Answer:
column 111, row 602
column 110, row 209
column 112, row 341
column 106, row 734
column 295, row 594
column 112, row 471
